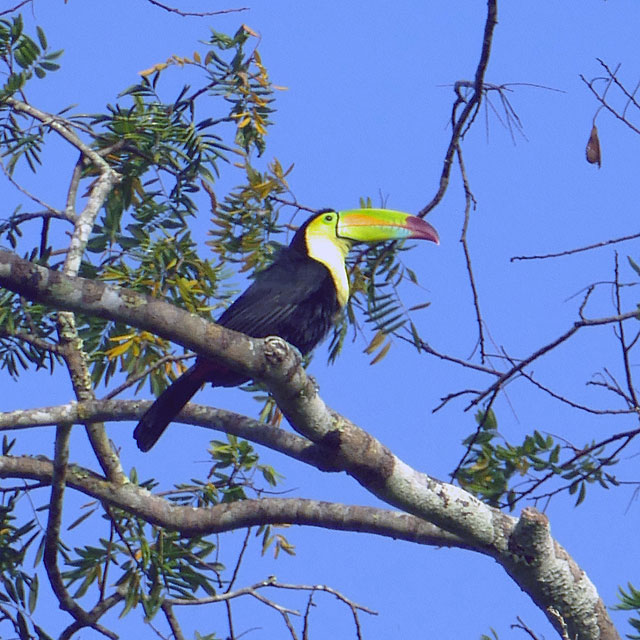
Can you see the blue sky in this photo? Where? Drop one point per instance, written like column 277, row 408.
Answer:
column 365, row 113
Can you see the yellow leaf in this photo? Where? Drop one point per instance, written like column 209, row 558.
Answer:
column 383, row 352
column 378, row 339
column 119, row 350
column 244, row 123
column 483, row 463
column 125, row 336
column 196, row 57
column 156, row 67
column 257, row 100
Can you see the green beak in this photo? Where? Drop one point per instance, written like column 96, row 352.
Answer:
column 378, row 225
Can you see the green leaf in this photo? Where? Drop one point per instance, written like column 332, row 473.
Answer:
column 41, row 37
column 23, row 628
column 634, row 265
column 82, row 518
column 33, row 593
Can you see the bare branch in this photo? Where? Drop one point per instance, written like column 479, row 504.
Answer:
column 427, row 348
column 525, row 628
column 280, row 440
column 59, row 125
column 31, row 339
column 576, row 405
column 271, row 582
column 58, row 485
column 469, row 202
column 197, row 14
column 579, row 324
column 568, row 252
column 14, row 8
column 174, row 625
column 459, row 124
column 603, row 102
column 623, row 343
column 95, row 614
column 156, row 365
column 51, row 211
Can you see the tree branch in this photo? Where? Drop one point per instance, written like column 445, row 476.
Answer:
column 367, row 460
column 285, row 442
column 578, row 324
column 236, row 515
column 460, row 124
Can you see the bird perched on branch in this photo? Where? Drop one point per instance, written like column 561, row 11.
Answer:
column 297, row 298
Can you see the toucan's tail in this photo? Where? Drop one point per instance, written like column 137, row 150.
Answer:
column 167, row 405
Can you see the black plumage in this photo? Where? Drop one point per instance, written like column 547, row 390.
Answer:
column 293, row 298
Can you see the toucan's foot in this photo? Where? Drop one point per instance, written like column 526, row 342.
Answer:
column 277, row 349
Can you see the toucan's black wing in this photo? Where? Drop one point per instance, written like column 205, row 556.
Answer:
column 294, row 298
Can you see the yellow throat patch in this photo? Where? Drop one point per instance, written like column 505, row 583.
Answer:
column 324, row 246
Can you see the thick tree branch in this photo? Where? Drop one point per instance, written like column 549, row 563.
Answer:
column 482, row 528
column 290, row 444
column 236, row 515
column 72, row 349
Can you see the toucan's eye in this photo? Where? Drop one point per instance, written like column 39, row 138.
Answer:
column 328, row 217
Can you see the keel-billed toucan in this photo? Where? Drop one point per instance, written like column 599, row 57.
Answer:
column 297, row 298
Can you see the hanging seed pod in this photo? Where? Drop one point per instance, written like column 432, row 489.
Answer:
column 593, row 148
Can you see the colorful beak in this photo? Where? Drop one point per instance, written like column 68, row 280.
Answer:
column 378, row 225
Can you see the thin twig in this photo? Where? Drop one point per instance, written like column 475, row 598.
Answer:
column 524, row 627
column 51, row 210
column 129, row 382
column 427, row 348
column 196, row 14
column 614, row 79
column 245, row 544
column 579, row 324
column 621, row 337
column 471, row 107
column 627, row 436
column 481, row 424
column 607, row 106
column 15, row 8
column 569, row 252
column 469, row 202
column 575, row 405
column 96, row 613
column 33, row 340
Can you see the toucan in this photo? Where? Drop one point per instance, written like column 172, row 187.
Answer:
column 298, row 298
